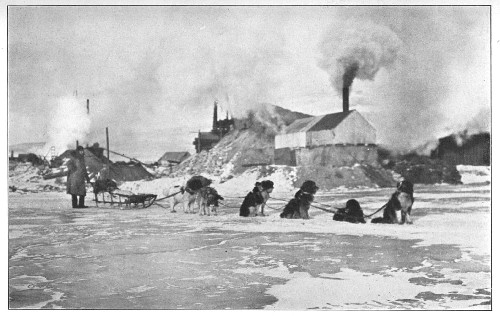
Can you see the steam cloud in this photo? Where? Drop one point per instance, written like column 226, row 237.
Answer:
column 69, row 123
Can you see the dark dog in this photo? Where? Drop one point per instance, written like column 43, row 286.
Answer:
column 298, row 207
column 398, row 208
column 195, row 183
column 351, row 213
column 106, row 185
column 256, row 199
column 266, row 187
column 209, row 201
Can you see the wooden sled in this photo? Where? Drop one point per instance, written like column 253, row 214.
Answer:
column 120, row 200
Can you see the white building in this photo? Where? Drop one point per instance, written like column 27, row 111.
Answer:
column 335, row 139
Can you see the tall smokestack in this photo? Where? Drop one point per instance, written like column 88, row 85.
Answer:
column 88, row 107
column 345, row 99
column 348, row 78
column 214, row 125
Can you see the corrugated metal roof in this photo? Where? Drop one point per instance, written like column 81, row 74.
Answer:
column 317, row 123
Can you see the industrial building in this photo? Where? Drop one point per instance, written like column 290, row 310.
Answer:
column 331, row 140
column 207, row 140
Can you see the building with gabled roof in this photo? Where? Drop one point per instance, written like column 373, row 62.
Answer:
column 173, row 157
column 335, row 139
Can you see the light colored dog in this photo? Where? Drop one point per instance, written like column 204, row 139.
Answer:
column 183, row 197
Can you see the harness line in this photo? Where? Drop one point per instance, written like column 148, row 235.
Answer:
column 237, row 197
column 376, row 210
column 166, row 197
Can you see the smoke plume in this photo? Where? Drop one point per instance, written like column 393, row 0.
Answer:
column 350, row 74
column 355, row 49
column 431, row 68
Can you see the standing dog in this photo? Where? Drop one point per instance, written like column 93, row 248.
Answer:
column 298, row 207
column 189, row 194
column 398, row 209
column 183, row 197
column 256, row 199
column 209, row 201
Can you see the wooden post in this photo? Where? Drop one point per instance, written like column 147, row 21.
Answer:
column 107, row 144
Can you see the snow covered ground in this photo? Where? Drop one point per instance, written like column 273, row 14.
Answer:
column 154, row 259
column 475, row 174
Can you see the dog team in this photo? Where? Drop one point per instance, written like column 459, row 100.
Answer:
column 197, row 191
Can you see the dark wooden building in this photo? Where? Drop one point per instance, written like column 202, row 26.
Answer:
column 207, row 140
column 464, row 149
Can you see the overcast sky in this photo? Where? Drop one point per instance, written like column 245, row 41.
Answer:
column 153, row 73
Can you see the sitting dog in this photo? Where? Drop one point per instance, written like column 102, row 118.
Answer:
column 398, row 209
column 209, row 201
column 298, row 207
column 256, row 199
column 266, row 187
column 351, row 213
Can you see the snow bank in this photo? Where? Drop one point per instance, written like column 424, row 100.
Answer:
column 474, row 174
column 283, row 178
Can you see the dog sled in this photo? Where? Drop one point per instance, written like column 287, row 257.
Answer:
column 106, row 194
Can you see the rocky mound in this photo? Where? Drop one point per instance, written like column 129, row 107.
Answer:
column 25, row 177
column 424, row 170
column 421, row 169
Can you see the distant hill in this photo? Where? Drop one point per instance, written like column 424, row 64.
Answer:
column 26, row 148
